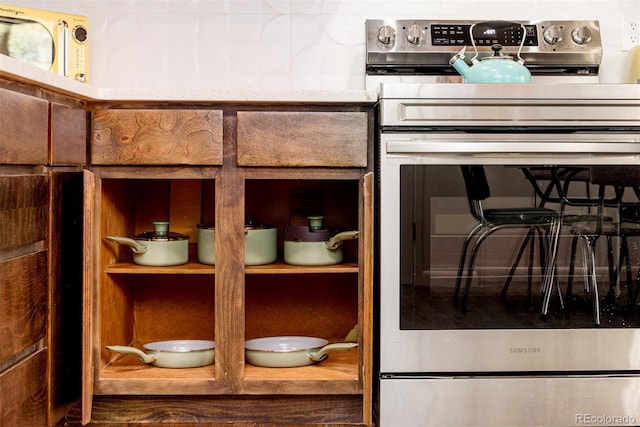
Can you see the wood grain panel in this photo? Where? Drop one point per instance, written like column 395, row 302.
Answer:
column 162, row 137
column 89, row 295
column 229, row 280
column 23, row 210
column 218, row 410
column 186, row 207
column 23, row 390
column 323, row 306
column 23, row 303
column 174, row 307
column 68, row 135
column 24, row 129
column 275, row 138
column 366, row 330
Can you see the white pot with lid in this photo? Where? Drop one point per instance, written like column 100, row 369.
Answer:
column 260, row 246
column 157, row 248
column 314, row 244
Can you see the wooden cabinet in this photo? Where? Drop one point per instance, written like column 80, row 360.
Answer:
column 42, row 150
column 273, row 165
column 23, row 300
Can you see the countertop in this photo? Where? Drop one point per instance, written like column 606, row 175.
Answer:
column 13, row 69
column 22, row 72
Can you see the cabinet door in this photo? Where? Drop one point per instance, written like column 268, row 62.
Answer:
column 366, row 311
column 160, row 137
column 24, row 129
column 289, row 138
column 89, row 269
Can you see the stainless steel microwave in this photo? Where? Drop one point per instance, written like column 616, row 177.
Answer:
column 54, row 41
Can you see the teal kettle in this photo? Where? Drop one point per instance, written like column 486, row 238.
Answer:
column 497, row 68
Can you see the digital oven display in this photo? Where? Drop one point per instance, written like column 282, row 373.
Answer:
column 458, row 35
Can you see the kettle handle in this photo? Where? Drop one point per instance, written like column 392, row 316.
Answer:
column 498, row 25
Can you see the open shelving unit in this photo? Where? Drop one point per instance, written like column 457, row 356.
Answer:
column 228, row 302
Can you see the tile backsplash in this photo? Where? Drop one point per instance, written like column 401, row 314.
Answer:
column 287, row 44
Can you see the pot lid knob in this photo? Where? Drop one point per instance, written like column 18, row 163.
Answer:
column 315, row 222
column 161, row 228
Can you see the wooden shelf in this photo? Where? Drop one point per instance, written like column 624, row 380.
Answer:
column 338, row 374
column 194, row 267
column 279, row 267
column 129, row 267
column 128, row 375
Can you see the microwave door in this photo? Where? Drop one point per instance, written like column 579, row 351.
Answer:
column 27, row 41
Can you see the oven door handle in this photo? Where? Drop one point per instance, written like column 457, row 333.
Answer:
column 501, row 143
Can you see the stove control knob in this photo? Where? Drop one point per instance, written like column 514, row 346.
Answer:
column 387, row 35
column 553, row 35
column 415, row 35
column 581, row 35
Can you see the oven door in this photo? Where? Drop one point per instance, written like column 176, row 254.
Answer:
column 424, row 219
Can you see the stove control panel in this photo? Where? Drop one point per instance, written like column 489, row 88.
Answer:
column 422, row 35
column 458, row 35
column 393, row 44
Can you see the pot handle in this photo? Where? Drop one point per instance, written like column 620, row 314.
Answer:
column 321, row 354
column 334, row 243
column 135, row 246
column 124, row 349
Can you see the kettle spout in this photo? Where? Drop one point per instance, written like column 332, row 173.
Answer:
column 458, row 62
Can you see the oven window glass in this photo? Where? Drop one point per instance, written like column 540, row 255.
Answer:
column 577, row 230
column 27, row 41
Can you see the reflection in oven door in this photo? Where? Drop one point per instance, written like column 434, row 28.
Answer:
column 491, row 244
column 516, row 289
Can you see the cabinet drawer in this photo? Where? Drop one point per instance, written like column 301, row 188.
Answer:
column 23, row 303
column 24, row 129
column 152, row 136
column 273, row 138
column 23, row 210
column 23, row 388
column 68, row 135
